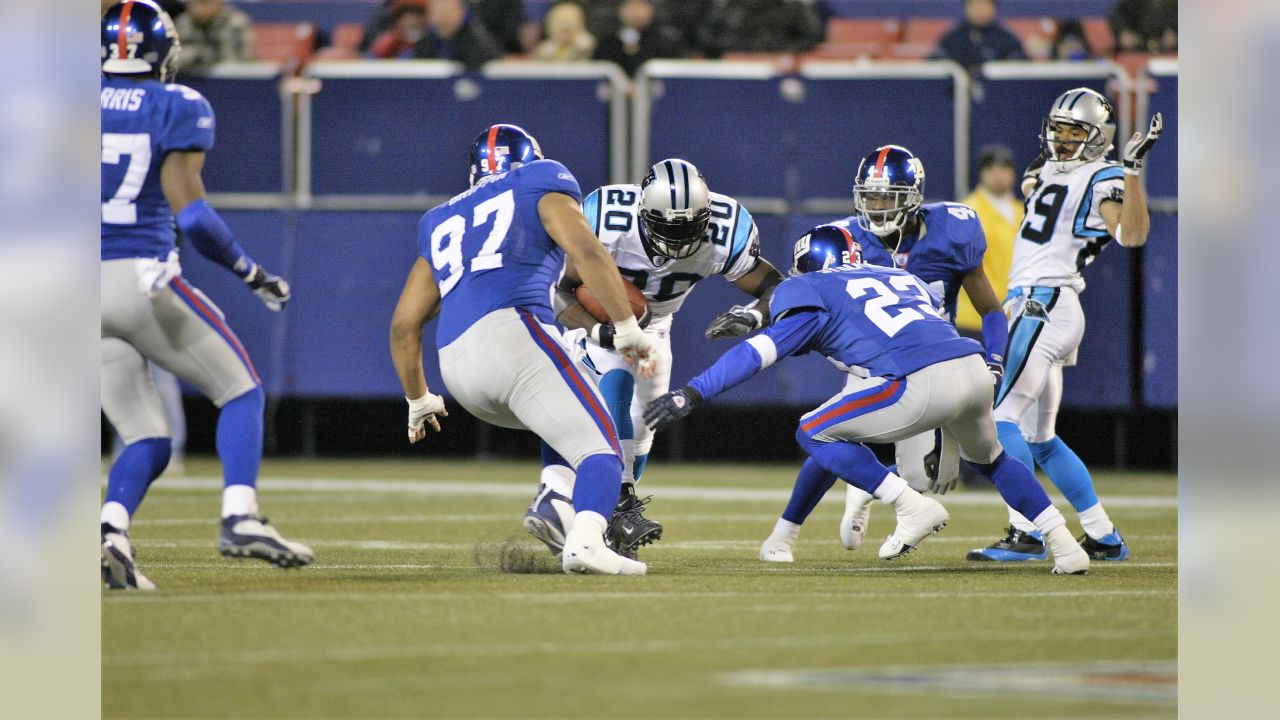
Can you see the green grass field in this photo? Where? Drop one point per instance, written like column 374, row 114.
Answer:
column 406, row 613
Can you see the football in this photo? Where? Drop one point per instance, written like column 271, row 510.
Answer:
column 593, row 306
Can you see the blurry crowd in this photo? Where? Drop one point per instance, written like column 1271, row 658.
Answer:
column 630, row 32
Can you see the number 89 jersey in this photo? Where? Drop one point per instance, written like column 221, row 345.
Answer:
column 142, row 122
column 731, row 249
column 1063, row 230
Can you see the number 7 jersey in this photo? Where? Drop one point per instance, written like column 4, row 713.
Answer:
column 731, row 248
column 1063, row 230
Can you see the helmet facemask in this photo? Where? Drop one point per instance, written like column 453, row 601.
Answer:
column 1067, row 149
column 674, row 234
column 884, row 209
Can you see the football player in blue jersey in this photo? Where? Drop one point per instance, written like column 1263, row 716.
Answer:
column 487, row 261
column 943, row 245
column 909, row 372
column 154, row 139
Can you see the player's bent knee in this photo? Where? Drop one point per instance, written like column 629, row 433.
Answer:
column 253, row 396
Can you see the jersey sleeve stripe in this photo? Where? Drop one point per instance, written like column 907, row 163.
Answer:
column 739, row 235
column 765, row 348
column 592, row 209
column 1086, row 203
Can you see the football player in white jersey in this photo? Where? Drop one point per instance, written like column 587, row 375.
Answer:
column 666, row 234
column 1078, row 201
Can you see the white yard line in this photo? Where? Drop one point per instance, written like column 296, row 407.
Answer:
column 494, row 489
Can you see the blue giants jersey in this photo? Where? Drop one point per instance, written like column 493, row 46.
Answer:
column 952, row 246
column 875, row 321
column 142, row 122
column 489, row 250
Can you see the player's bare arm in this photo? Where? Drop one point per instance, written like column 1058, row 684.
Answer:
column 1129, row 221
column 181, row 180
column 419, row 303
column 978, row 288
column 759, row 282
column 566, row 225
column 573, row 316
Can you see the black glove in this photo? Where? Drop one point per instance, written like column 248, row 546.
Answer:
column 735, row 322
column 671, row 408
column 602, row 333
column 272, row 290
column 1135, row 151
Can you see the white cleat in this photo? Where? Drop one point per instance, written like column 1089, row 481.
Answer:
column 918, row 518
column 857, row 512
column 777, row 550
column 585, row 553
column 119, row 571
column 252, row 536
column 1068, row 557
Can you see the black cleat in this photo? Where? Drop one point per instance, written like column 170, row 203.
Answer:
column 1016, row 546
column 1100, row 550
column 629, row 529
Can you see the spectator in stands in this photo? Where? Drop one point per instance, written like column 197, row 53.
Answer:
column 379, row 22
column 213, row 32
column 690, row 18
column 408, row 26
column 567, row 36
column 1070, row 42
column 979, row 38
column 503, row 19
column 1145, row 25
column 454, row 34
column 765, row 26
column 638, row 38
column 1000, row 213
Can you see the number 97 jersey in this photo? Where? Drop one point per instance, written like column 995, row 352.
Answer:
column 1063, row 230
column 731, row 248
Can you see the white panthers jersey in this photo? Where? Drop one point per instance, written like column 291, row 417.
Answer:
column 1063, row 230
column 732, row 247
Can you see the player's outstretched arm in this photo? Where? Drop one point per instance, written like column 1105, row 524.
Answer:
column 209, row 235
column 995, row 327
column 1131, row 221
column 741, row 320
column 565, row 223
column 419, row 302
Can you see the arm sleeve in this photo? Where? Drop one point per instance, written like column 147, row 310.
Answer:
column 548, row 176
column 995, row 335
column 792, row 335
column 190, row 125
column 211, row 237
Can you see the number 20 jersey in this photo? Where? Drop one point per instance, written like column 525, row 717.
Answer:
column 142, row 122
column 489, row 250
column 731, row 249
column 1063, row 230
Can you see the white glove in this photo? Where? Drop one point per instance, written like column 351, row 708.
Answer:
column 425, row 408
column 574, row 343
column 635, row 346
column 272, row 290
column 1135, row 151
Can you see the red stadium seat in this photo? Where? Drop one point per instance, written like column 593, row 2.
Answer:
column 911, row 51
column 344, row 42
column 1098, row 32
column 289, row 44
column 925, row 31
column 849, row 30
column 1027, row 28
column 848, row 50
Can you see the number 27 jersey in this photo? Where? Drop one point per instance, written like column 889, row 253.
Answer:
column 1063, row 230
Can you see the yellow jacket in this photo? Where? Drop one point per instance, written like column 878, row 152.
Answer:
column 1000, row 233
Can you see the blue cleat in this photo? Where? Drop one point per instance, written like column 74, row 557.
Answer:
column 549, row 518
column 1108, row 547
column 1015, row 547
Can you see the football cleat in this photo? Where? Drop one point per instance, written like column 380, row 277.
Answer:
column 586, row 553
column 777, row 550
column 1109, row 547
column 1068, row 557
column 119, row 569
column 629, row 529
column 1016, row 546
column 918, row 518
column 250, row 536
column 857, row 512
column 548, row 517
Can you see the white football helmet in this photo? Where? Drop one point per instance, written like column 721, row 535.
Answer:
column 675, row 208
column 1084, row 108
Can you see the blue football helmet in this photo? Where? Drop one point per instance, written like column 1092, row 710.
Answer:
column 823, row 247
column 138, row 38
column 889, row 189
column 502, row 148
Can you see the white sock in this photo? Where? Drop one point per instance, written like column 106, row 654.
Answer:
column 786, row 531
column 114, row 514
column 1096, row 523
column 856, row 497
column 1049, row 520
column 590, row 521
column 559, row 478
column 1021, row 523
column 891, row 489
column 628, row 462
column 239, row 500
